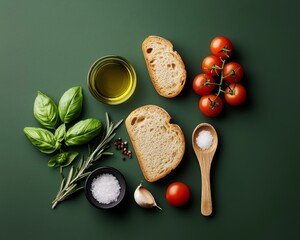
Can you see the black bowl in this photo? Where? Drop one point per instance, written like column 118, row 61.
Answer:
column 97, row 172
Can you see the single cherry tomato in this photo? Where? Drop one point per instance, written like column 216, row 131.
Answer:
column 203, row 84
column 210, row 105
column 235, row 94
column 177, row 194
column 221, row 47
column 212, row 65
column 233, row 72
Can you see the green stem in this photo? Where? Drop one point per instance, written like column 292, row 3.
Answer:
column 210, row 83
column 223, row 91
column 221, row 79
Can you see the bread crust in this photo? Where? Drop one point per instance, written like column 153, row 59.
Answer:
column 139, row 154
column 175, row 54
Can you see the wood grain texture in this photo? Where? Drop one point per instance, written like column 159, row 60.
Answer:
column 205, row 158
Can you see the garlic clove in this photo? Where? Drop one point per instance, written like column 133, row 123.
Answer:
column 144, row 198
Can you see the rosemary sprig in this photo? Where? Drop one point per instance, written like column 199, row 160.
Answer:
column 69, row 184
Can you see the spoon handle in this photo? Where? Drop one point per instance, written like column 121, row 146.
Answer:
column 206, row 201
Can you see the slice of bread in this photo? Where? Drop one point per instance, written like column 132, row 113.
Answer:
column 159, row 144
column 165, row 66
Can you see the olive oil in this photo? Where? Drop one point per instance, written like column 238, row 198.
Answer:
column 112, row 80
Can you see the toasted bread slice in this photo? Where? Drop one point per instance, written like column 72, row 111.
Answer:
column 159, row 144
column 165, row 66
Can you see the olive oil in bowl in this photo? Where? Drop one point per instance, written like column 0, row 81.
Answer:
column 112, row 80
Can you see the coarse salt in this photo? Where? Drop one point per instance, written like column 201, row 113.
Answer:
column 204, row 139
column 105, row 188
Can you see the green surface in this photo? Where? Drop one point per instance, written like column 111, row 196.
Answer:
column 50, row 45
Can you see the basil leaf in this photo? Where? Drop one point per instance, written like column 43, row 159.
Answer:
column 62, row 159
column 70, row 104
column 43, row 139
column 45, row 111
column 83, row 131
column 60, row 133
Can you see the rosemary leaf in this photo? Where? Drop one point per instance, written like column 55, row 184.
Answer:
column 62, row 184
column 107, row 153
column 83, row 175
column 80, row 163
column 70, row 175
column 89, row 149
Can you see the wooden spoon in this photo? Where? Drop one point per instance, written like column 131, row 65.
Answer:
column 205, row 158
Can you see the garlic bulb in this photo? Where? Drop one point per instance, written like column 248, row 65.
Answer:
column 144, row 198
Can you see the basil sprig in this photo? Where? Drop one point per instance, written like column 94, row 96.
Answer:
column 58, row 119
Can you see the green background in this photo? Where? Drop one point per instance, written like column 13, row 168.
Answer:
column 50, row 45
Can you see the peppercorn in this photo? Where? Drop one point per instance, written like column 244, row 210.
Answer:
column 123, row 147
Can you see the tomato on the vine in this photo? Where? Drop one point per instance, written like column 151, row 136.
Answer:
column 233, row 72
column 235, row 94
column 212, row 65
column 221, row 47
column 203, row 84
column 177, row 194
column 218, row 73
column 211, row 105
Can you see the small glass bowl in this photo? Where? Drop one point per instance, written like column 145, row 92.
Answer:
column 112, row 79
column 97, row 172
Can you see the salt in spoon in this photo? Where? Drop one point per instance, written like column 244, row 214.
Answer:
column 205, row 158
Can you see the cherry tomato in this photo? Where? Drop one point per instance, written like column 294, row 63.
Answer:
column 235, row 94
column 177, row 194
column 233, row 72
column 221, row 47
column 201, row 84
column 212, row 65
column 210, row 105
